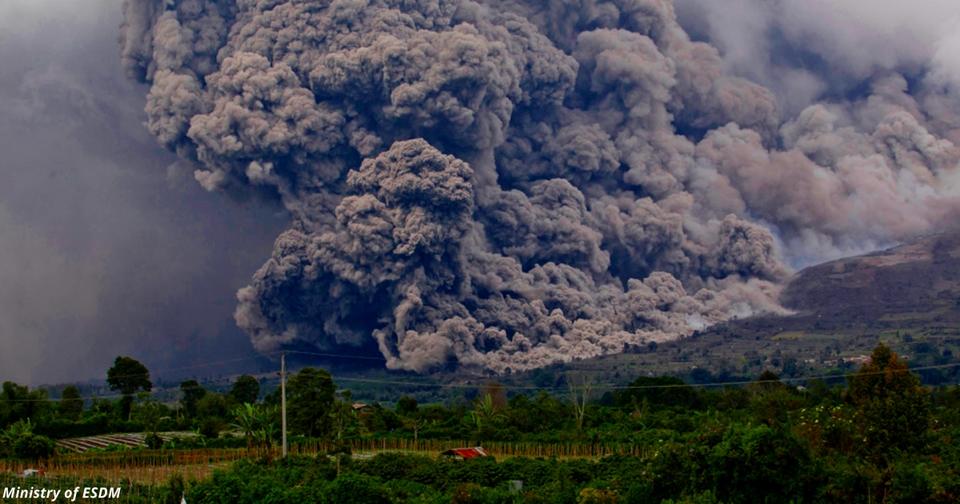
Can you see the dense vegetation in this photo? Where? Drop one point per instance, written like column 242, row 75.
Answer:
column 881, row 437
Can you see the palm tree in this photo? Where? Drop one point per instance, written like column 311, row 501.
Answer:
column 484, row 410
column 266, row 427
column 257, row 425
column 246, row 420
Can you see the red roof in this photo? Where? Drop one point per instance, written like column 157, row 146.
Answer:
column 466, row 453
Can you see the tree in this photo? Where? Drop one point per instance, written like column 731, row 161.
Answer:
column 149, row 413
column 245, row 390
column 192, row 392
column 213, row 405
column 406, row 406
column 20, row 441
column 660, row 391
column 579, row 396
column 128, row 376
column 258, row 425
column 484, row 414
column 245, row 420
column 34, row 447
column 497, row 393
column 71, row 405
column 893, row 409
column 310, row 399
column 756, row 464
column 343, row 417
column 416, row 423
column 18, row 402
column 771, row 399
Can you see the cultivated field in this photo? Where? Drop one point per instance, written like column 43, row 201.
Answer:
column 157, row 466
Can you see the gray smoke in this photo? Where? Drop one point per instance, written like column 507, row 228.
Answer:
column 509, row 184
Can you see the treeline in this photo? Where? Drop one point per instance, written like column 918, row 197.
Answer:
column 880, row 437
column 30, row 420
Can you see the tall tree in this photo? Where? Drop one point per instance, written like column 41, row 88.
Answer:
column 18, row 402
column 406, row 405
column 128, row 376
column 71, row 405
column 245, row 390
column 310, row 397
column 893, row 409
column 191, row 392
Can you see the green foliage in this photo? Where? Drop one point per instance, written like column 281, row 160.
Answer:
column 128, row 376
column 245, row 389
column 174, row 491
column 71, row 405
column 153, row 441
column 210, row 427
column 892, row 408
column 33, row 447
column 18, row 402
column 310, row 400
column 662, row 391
column 884, row 438
column 213, row 406
column 190, row 395
column 406, row 405
column 258, row 423
column 357, row 488
column 19, row 441
column 149, row 414
column 757, row 464
column 379, row 419
column 597, row 496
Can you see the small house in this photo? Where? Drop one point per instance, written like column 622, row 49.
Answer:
column 465, row 453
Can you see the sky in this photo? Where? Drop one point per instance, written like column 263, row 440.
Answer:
column 107, row 246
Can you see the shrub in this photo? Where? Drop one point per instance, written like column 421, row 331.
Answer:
column 33, row 447
column 357, row 489
column 597, row 496
column 153, row 441
column 210, row 428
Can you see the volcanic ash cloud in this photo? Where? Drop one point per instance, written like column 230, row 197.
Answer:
column 506, row 185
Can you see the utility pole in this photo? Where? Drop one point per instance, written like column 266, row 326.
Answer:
column 283, row 401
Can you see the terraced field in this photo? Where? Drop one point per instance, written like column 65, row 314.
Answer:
column 133, row 440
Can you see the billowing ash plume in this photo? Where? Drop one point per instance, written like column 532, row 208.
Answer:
column 508, row 184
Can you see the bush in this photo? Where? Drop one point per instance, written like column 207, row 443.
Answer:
column 757, row 464
column 910, row 483
column 210, row 428
column 559, row 492
column 597, row 496
column 33, row 447
column 59, row 428
column 397, row 466
column 357, row 489
column 153, row 441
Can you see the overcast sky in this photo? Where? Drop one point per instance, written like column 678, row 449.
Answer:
column 106, row 248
